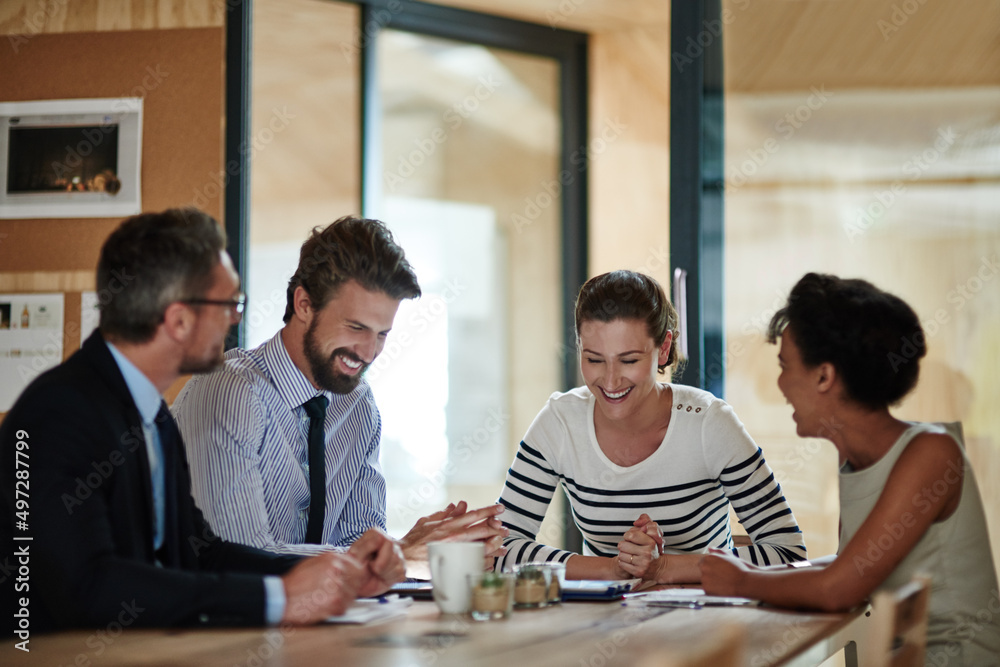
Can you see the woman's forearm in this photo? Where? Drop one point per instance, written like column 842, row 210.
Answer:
column 801, row 588
column 678, row 569
column 594, row 567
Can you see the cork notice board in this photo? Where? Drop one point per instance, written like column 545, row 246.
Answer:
column 180, row 75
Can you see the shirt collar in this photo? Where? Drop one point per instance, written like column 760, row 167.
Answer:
column 291, row 383
column 147, row 399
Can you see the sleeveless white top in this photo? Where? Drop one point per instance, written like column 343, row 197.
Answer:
column 964, row 613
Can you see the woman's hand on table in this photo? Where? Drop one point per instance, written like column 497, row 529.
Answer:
column 639, row 553
column 651, row 528
column 721, row 573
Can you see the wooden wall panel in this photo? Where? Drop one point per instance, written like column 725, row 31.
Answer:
column 306, row 118
column 33, row 17
column 592, row 16
column 629, row 152
column 179, row 74
column 784, row 45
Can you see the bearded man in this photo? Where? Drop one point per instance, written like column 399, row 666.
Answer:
column 284, row 439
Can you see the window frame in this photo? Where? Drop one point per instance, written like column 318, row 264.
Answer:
column 697, row 190
column 568, row 48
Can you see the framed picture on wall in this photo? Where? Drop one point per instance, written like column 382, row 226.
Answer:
column 71, row 158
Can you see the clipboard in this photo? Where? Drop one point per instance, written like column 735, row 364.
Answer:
column 594, row 590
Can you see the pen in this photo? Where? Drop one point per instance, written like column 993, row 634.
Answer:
column 385, row 599
column 677, row 605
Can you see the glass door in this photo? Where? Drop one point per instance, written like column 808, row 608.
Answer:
column 470, row 142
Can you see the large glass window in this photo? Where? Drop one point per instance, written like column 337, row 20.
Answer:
column 852, row 149
column 305, row 143
column 469, row 154
column 470, row 149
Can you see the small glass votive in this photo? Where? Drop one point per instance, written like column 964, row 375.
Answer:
column 531, row 585
column 557, row 582
column 492, row 595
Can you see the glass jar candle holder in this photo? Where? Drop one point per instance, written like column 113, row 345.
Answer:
column 531, row 585
column 558, row 579
column 492, row 595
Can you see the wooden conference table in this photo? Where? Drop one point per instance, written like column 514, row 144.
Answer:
column 584, row 634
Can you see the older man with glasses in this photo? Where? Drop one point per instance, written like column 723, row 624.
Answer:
column 109, row 529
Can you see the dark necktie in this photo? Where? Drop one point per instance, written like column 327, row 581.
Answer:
column 170, row 441
column 316, row 409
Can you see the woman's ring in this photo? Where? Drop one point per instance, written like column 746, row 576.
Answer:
column 630, row 559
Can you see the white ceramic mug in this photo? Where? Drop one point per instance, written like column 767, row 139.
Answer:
column 451, row 564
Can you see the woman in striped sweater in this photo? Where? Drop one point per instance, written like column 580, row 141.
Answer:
column 650, row 468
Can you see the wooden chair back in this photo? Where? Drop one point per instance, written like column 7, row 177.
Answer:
column 898, row 635
column 741, row 540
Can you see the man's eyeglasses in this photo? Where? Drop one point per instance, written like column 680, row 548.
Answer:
column 236, row 306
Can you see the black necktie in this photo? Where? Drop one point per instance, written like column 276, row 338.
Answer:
column 316, row 409
column 170, row 440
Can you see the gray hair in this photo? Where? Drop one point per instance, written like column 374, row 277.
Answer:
column 150, row 261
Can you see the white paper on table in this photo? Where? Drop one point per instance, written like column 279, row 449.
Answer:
column 373, row 610
column 31, row 340
column 691, row 597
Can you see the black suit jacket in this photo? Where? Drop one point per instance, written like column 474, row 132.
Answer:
column 90, row 515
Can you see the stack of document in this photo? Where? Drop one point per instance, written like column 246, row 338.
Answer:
column 373, row 610
column 692, row 598
column 596, row 589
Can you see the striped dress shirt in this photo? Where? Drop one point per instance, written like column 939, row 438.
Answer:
column 706, row 463
column 246, row 434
